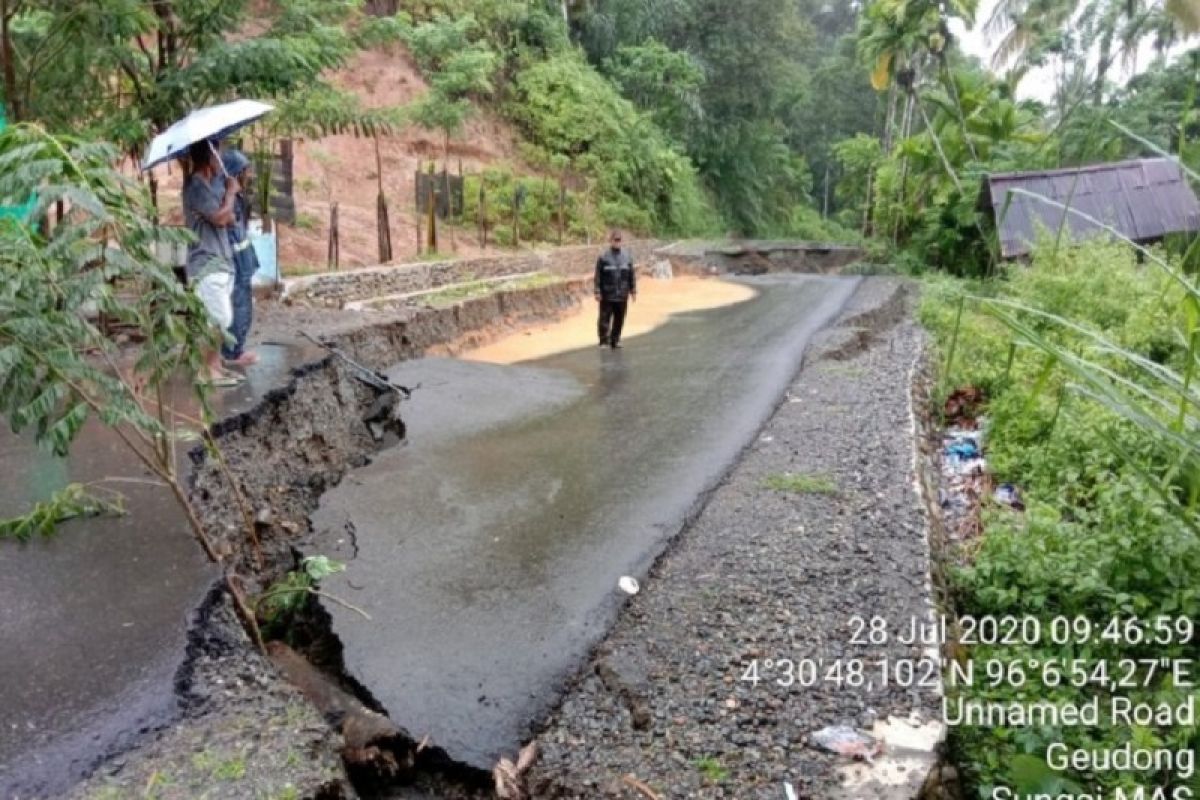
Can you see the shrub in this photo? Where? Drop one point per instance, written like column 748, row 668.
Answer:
column 1111, row 528
column 567, row 109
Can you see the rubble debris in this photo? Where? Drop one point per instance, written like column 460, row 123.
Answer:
column 510, row 777
column 963, row 406
column 1010, row 496
column 661, row 270
column 847, row 741
column 964, row 474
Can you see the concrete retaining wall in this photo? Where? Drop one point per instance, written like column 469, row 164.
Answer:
column 336, row 289
column 469, row 323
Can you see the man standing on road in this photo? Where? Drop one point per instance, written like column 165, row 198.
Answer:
column 615, row 285
column 244, row 260
column 208, row 210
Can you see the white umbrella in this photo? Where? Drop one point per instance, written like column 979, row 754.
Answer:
column 215, row 122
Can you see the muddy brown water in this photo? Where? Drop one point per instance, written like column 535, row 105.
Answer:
column 488, row 549
column 657, row 302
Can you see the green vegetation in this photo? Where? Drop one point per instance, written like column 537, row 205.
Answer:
column 275, row 607
column 802, row 483
column 812, row 119
column 121, row 71
column 682, row 118
column 218, row 767
column 712, row 770
column 914, row 183
column 305, row 221
column 75, row 500
column 469, row 291
column 1089, row 361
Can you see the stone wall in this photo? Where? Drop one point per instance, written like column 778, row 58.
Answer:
column 337, row 289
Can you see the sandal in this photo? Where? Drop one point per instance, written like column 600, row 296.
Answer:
column 225, row 380
column 246, row 359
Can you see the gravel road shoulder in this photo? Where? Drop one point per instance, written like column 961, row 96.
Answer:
column 819, row 522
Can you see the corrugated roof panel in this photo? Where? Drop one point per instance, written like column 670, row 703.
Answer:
column 1144, row 200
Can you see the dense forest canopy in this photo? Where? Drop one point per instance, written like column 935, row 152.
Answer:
column 805, row 118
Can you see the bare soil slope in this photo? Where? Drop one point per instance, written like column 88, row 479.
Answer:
column 342, row 169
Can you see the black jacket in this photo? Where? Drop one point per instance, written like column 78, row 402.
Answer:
column 615, row 278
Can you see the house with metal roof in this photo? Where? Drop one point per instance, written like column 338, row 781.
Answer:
column 1145, row 200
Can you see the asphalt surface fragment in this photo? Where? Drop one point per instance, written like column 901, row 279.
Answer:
column 765, row 573
column 244, row 732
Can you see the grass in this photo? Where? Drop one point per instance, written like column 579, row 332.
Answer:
column 305, row 222
column 1089, row 363
column 432, row 256
column 302, row 270
column 218, row 768
column 712, row 769
column 232, row 770
column 475, row 289
column 802, row 483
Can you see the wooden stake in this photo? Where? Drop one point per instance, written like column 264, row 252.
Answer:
column 516, row 222
column 431, row 221
column 482, row 214
column 418, row 212
column 334, row 240
column 381, row 212
column 562, row 210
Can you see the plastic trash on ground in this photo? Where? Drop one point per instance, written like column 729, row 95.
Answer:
column 847, row 741
column 628, row 585
column 1008, row 495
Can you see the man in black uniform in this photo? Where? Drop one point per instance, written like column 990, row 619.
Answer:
column 615, row 284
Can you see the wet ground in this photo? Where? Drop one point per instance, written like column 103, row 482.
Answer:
column 769, row 572
column 488, row 549
column 658, row 301
column 93, row 622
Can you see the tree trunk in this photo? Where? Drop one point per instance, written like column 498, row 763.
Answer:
column 869, row 205
column 937, row 142
column 952, row 87
column 153, row 183
column 381, row 212
column 431, row 242
column 825, row 208
column 890, row 123
column 10, row 72
column 371, row 740
column 334, row 258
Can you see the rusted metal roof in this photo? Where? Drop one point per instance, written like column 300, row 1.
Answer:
column 1144, row 199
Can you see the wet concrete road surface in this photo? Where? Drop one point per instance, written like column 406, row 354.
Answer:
column 93, row 622
column 488, row 549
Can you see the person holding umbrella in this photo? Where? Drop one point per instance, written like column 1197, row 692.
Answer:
column 208, row 205
column 209, row 213
column 245, row 262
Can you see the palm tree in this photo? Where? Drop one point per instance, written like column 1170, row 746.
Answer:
column 1105, row 25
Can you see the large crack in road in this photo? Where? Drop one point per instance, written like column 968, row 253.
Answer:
column 490, row 546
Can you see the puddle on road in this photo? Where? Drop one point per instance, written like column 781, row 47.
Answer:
column 658, row 301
